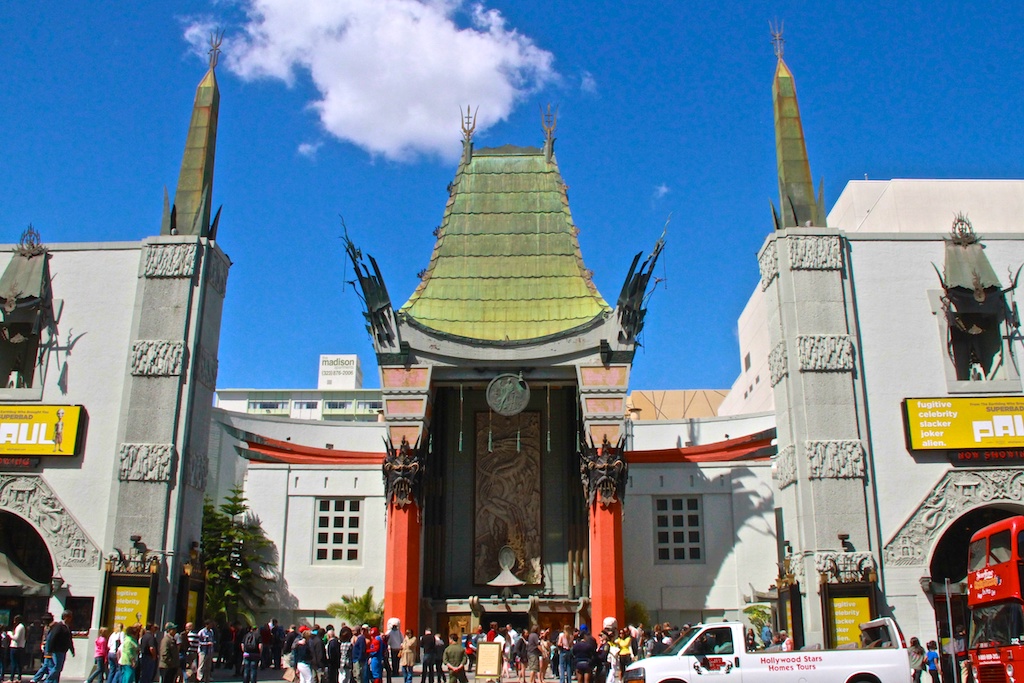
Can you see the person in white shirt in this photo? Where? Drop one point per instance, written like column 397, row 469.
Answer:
column 17, row 635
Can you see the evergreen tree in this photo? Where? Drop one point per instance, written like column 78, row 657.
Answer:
column 238, row 560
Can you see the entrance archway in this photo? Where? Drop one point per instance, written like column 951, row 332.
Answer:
column 949, row 558
column 24, row 548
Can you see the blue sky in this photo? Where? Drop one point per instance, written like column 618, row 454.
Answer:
column 352, row 107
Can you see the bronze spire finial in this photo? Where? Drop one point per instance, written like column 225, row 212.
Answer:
column 549, row 121
column 216, row 38
column 777, row 40
column 468, row 123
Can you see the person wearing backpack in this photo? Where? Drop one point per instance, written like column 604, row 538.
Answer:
column 252, row 652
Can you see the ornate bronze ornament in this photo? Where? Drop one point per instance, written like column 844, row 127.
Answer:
column 402, row 474
column 603, row 471
column 508, row 394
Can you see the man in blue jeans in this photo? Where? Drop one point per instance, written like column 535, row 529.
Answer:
column 58, row 644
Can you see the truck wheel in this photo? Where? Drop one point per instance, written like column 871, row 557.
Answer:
column 863, row 679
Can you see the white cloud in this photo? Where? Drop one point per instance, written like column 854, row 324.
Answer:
column 588, row 83
column 309, row 149
column 661, row 190
column 391, row 74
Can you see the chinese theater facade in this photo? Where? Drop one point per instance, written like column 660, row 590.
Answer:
column 504, row 380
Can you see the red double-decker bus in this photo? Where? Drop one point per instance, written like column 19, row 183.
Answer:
column 994, row 565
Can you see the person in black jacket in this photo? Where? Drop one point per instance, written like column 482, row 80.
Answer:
column 58, row 644
column 584, row 655
column 318, row 655
column 428, row 651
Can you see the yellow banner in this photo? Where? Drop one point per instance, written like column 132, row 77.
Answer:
column 39, row 430
column 849, row 614
column 192, row 607
column 964, row 423
column 131, row 605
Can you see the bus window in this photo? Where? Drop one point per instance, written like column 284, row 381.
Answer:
column 999, row 547
column 976, row 555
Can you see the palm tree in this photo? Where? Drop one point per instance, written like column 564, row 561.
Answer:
column 358, row 609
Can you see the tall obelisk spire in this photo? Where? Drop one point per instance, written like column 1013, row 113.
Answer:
column 191, row 212
column 796, row 190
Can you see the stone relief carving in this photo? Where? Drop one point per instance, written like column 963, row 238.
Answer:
column 768, row 263
column 957, row 492
column 157, row 357
column 815, row 253
column 170, row 260
column 784, row 471
column 146, row 461
column 217, row 272
column 206, row 369
column 835, row 459
column 32, row 498
column 843, row 566
column 825, row 352
column 196, row 469
column 778, row 363
column 794, row 563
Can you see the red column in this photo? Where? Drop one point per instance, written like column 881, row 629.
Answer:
column 402, row 566
column 607, row 578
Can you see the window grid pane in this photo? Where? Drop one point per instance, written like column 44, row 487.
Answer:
column 337, row 514
column 678, row 537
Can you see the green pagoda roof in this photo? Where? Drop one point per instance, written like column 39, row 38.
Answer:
column 507, row 265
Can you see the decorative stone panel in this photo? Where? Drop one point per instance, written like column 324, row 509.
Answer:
column 768, row 263
column 956, row 493
column 157, row 357
column 825, row 352
column 217, row 272
column 784, row 471
column 206, row 369
column 835, row 459
column 146, row 462
column 815, row 253
column 30, row 497
column 170, row 260
column 778, row 363
column 196, row 468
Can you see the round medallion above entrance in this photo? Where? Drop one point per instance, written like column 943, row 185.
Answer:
column 508, row 394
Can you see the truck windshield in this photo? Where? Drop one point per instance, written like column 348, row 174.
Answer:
column 681, row 642
column 997, row 625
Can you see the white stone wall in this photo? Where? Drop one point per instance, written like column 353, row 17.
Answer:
column 739, row 540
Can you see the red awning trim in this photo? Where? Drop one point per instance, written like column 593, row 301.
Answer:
column 756, row 446
column 260, row 448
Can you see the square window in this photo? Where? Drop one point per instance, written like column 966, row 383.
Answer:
column 336, row 539
column 678, row 537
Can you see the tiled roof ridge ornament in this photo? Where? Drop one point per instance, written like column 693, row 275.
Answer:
column 216, row 38
column 549, row 121
column 30, row 245
column 468, row 121
column 778, row 41
column 962, row 232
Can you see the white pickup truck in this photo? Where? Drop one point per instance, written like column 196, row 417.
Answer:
column 707, row 651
